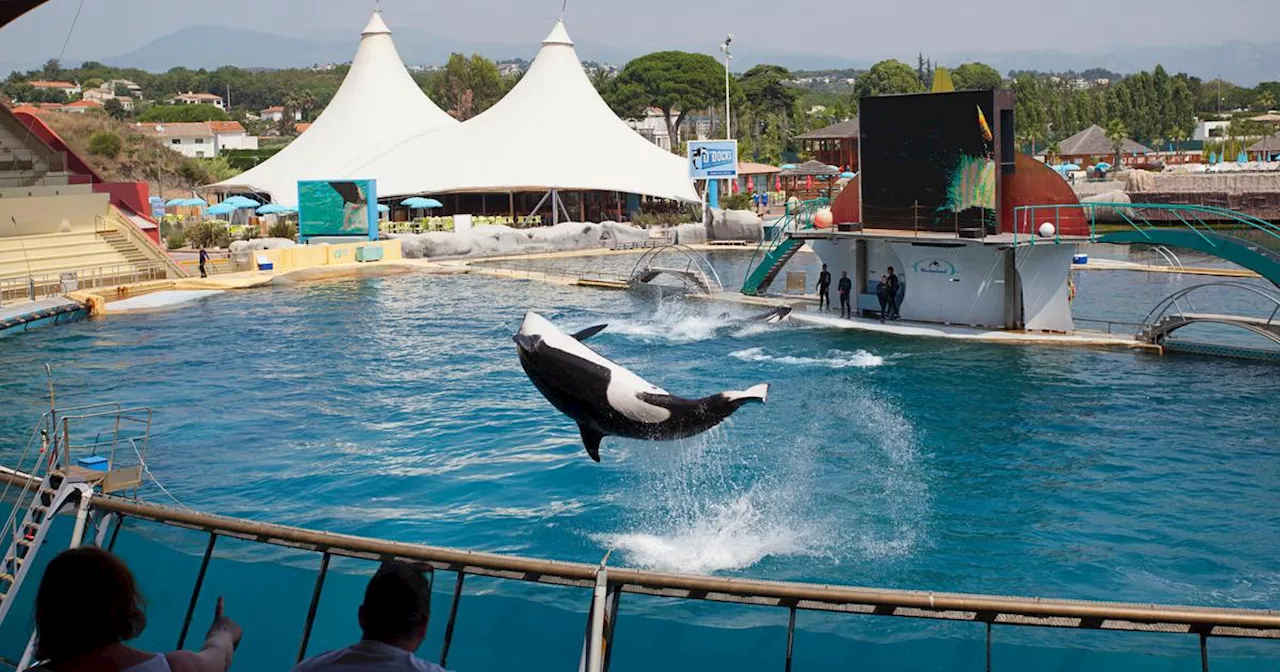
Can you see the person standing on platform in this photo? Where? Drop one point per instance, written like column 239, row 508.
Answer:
column 882, row 294
column 204, row 258
column 824, row 289
column 892, row 285
column 844, row 288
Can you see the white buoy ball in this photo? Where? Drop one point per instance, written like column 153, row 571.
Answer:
column 822, row 218
column 1046, row 230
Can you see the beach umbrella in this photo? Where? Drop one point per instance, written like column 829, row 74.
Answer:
column 195, row 202
column 272, row 209
column 222, row 209
column 1103, row 165
column 383, row 208
column 173, row 202
column 431, row 203
column 846, row 175
column 413, row 202
column 1241, row 158
column 1071, row 166
column 241, row 202
column 777, row 184
column 808, row 181
column 788, row 166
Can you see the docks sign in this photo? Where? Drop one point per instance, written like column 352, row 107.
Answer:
column 713, row 159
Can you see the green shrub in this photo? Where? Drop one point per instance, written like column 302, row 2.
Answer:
column 212, row 233
column 176, row 238
column 283, row 229
column 250, row 233
column 738, row 201
column 193, row 172
column 652, row 219
column 105, row 143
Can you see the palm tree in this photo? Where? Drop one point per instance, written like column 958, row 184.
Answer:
column 1117, row 133
column 1052, row 153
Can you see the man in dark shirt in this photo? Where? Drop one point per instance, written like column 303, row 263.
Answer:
column 891, row 286
column 844, row 288
column 824, row 289
column 204, row 257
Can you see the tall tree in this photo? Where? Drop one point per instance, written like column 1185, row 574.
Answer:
column 976, row 76
column 675, row 82
column 1117, row 134
column 887, row 77
column 469, row 86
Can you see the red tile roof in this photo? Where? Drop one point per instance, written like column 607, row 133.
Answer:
column 273, row 108
column 41, row 84
column 302, row 128
column 28, row 108
column 84, row 103
column 226, row 127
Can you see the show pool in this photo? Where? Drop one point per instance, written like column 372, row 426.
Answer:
column 395, row 407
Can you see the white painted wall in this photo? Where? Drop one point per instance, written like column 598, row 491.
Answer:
column 1043, row 271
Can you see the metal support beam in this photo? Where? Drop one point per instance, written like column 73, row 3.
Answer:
column 791, row 636
column 195, row 591
column 988, row 646
column 1204, row 652
column 453, row 618
column 315, row 604
column 115, row 531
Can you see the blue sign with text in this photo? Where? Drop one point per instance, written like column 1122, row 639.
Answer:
column 713, row 159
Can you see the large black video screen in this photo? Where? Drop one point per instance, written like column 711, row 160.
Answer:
column 928, row 161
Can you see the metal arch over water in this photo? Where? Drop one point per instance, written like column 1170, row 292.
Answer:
column 680, row 261
column 1169, row 315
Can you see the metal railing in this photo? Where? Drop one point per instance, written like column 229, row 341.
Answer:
column 35, row 287
column 532, row 271
column 609, row 583
column 1198, row 218
column 141, row 242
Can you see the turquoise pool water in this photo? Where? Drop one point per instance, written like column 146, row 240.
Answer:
column 395, row 407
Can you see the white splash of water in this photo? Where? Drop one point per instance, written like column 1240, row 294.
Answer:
column 676, row 321
column 835, row 359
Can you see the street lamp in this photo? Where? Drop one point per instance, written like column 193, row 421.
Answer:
column 728, row 124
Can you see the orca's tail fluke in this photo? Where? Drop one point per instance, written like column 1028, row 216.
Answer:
column 754, row 394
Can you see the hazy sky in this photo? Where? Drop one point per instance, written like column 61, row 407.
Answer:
column 853, row 29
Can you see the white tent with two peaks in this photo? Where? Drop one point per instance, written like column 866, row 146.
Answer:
column 551, row 132
column 378, row 107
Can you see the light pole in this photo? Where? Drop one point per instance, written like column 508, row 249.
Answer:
column 728, row 124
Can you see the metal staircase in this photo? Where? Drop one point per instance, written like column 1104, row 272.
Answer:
column 781, row 246
column 57, row 470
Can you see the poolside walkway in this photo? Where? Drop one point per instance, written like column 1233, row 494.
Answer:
column 804, row 313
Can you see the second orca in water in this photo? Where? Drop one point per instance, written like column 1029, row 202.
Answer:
column 606, row 399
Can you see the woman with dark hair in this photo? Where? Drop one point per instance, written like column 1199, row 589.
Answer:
column 88, row 605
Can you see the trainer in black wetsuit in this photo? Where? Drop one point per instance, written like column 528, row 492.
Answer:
column 204, row 257
column 892, row 290
column 824, row 289
column 844, row 287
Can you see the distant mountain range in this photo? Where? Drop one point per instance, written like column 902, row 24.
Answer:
column 212, row 46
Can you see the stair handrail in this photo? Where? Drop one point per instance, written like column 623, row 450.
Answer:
column 1091, row 211
column 792, row 220
column 119, row 222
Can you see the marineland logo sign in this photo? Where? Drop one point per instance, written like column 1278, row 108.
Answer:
column 713, row 159
column 934, row 266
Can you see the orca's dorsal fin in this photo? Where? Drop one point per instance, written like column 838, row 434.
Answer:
column 589, row 332
column 591, row 441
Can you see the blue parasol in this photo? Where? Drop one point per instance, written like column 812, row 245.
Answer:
column 222, row 209
column 273, row 208
column 241, row 202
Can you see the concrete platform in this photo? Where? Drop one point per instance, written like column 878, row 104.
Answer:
column 803, row 313
column 1096, row 264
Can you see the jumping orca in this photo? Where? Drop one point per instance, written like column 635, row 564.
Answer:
column 608, row 400
column 771, row 317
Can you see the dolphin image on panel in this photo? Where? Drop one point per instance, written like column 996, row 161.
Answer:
column 606, row 399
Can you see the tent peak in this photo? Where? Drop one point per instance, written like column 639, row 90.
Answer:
column 558, row 35
column 376, row 25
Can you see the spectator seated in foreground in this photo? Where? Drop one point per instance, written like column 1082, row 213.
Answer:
column 88, row 605
column 393, row 620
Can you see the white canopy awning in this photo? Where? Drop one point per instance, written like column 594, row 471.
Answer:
column 378, row 107
column 551, row 131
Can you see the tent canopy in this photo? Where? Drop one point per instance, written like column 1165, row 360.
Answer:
column 552, row 131
column 377, row 107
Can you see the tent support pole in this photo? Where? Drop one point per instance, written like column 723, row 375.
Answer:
column 511, row 202
column 617, row 200
column 582, row 206
column 555, row 211
column 538, row 207
column 563, row 208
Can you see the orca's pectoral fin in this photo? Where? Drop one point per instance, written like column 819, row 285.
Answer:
column 756, row 393
column 589, row 332
column 591, row 441
column 526, row 342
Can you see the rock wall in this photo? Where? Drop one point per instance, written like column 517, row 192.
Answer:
column 498, row 240
column 736, row 225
